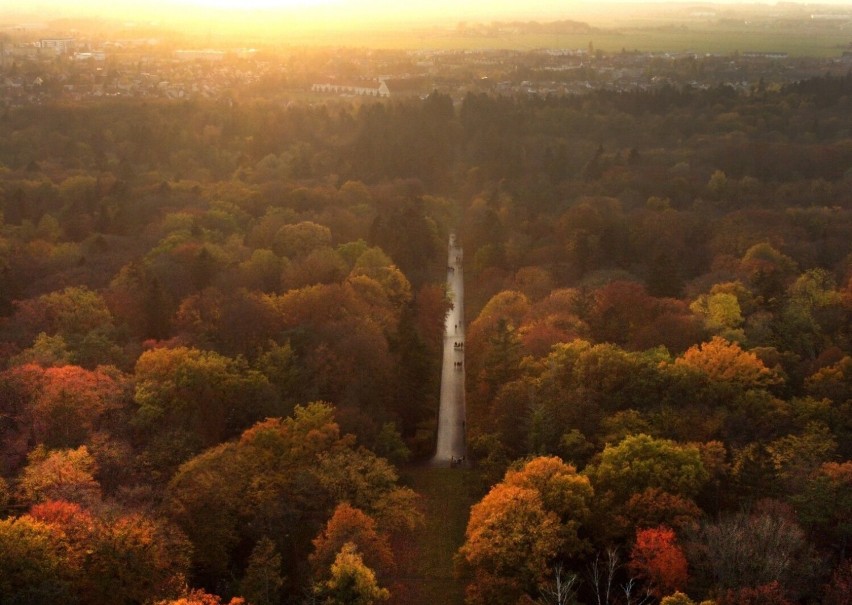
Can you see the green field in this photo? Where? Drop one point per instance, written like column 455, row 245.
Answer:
column 709, row 39
column 429, row 578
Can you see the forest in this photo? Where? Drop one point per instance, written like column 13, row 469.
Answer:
column 221, row 327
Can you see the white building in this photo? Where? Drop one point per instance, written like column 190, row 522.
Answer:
column 381, row 90
column 59, row 45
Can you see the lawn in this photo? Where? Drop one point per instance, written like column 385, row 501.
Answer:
column 428, row 576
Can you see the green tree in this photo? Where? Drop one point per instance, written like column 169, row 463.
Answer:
column 350, row 582
column 77, row 314
column 189, row 399
column 812, row 317
column 640, row 462
column 293, row 241
column 825, row 505
column 32, row 568
column 262, row 581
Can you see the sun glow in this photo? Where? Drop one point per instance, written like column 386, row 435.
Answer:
column 263, row 5
column 298, row 21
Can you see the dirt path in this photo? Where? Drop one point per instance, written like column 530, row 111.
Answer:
column 451, row 414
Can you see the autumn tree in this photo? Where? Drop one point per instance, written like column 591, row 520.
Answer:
column 200, row 597
column 654, row 507
column 752, row 550
column 509, row 541
column 813, row 315
column 833, row 381
column 73, row 402
column 657, row 560
column 300, row 239
column 721, row 312
column 563, row 492
column 771, row 593
column 341, row 333
column 59, row 475
column 726, row 362
column 677, row 598
column 262, row 581
column 281, row 479
column 238, row 322
column 768, row 271
column 189, row 399
column 519, row 528
column 32, row 564
column 137, row 298
column 350, row 525
column 839, row 588
column 825, row 503
column 350, row 581
column 77, row 314
column 159, row 555
column 640, row 462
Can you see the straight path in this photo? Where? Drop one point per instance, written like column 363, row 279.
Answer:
column 451, row 412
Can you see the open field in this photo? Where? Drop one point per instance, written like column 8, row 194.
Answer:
column 447, row 498
column 710, row 39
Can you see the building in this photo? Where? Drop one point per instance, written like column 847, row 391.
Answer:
column 381, row 90
column 60, row 45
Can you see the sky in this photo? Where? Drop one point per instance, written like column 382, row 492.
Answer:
column 317, row 12
column 339, row 12
column 348, row 8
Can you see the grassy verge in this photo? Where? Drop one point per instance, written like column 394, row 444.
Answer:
column 428, row 577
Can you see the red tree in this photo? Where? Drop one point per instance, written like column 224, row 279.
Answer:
column 659, row 561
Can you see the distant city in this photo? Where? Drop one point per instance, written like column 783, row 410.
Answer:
column 36, row 69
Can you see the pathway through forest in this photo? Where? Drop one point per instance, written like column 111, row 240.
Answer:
column 451, row 413
column 427, row 575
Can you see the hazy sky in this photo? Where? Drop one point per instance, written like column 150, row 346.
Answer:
column 329, row 12
column 348, row 7
column 336, row 12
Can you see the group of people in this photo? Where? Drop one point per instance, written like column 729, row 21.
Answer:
column 452, row 268
column 458, row 344
column 454, row 462
column 457, row 364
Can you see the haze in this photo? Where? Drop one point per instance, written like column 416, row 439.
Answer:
column 349, row 13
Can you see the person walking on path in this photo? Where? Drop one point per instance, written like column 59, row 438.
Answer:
column 450, row 446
